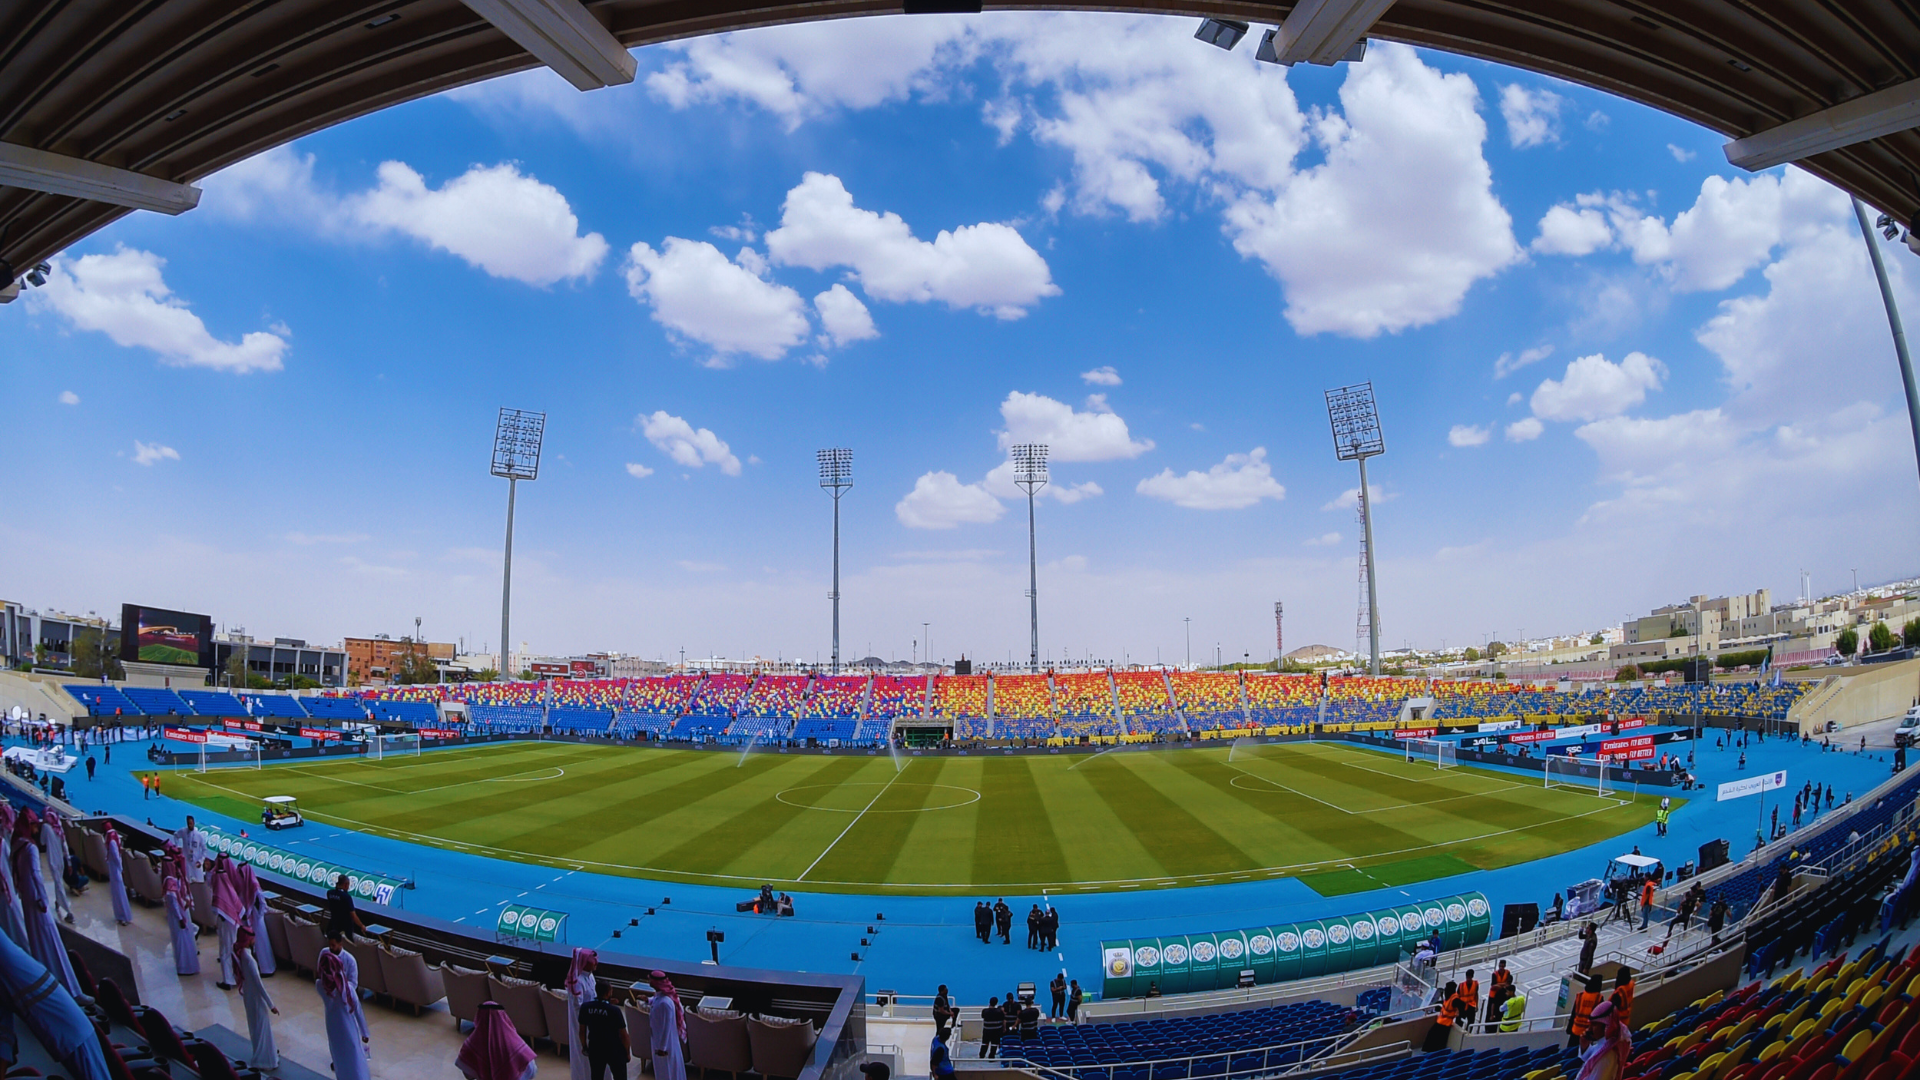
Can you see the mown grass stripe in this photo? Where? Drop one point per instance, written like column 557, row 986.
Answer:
column 1017, row 842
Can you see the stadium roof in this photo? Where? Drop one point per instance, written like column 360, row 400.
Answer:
column 109, row 105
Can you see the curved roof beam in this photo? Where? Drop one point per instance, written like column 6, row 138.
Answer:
column 1883, row 112
column 565, row 36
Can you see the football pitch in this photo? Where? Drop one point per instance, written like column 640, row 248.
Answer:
column 1341, row 818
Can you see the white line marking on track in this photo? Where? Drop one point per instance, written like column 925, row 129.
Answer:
column 850, row 825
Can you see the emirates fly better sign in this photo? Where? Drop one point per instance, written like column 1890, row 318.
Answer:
column 1740, row 789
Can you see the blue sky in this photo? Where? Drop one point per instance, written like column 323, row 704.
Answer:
column 1612, row 369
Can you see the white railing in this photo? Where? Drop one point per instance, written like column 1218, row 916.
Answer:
column 1165, row 1067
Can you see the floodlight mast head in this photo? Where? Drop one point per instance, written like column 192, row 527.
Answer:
column 1356, row 422
column 1030, row 466
column 836, row 469
column 516, row 444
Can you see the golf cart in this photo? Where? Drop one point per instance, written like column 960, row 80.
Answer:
column 281, row 813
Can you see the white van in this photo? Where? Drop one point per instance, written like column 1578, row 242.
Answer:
column 1909, row 730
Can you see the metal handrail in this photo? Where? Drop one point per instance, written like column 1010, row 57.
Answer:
column 1306, row 1063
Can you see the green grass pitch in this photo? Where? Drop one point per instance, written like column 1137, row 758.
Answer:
column 1342, row 819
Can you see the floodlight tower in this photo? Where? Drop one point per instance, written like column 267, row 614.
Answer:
column 1030, row 474
column 516, row 456
column 836, row 477
column 1357, row 437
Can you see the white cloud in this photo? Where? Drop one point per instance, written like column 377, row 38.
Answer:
column 1323, row 540
column 148, row 453
column 687, row 445
column 1532, row 116
column 1399, row 221
column 1467, row 435
column 1514, row 399
column 843, row 318
column 1097, row 434
column 1566, row 230
column 1507, row 363
column 1594, row 387
column 68, row 397
column 696, row 293
column 1680, row 153
column 986, row 266
column 1525, row 430
column 123, row 296
column 493, row 217
column 1732, row 227
column 1631, row 447
column 999, row 483
column 1104, row 375
column 308, row 539
column 1350, row 498
column 1235, row 484
column 638, row 471
column 940, row 501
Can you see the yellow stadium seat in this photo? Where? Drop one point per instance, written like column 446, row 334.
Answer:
column 1719, row 996
column 1872, row 996
column 1857, row 1046
column 1710, row 1066
column 1773, row 1050
column 1745, row 1028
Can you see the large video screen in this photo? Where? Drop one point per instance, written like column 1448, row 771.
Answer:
column 159, row 636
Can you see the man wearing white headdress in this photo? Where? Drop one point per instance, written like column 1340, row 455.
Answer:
column 193, row 845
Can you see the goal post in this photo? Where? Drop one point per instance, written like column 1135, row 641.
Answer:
column 1441, row 755
column 384, row 745
column 1565, row 772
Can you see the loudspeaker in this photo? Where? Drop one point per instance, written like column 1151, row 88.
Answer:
column 1713, row 854
column 1517, row 919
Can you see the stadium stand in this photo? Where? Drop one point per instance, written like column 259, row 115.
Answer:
column 279, row 705
column 212, row 703
column 580, row 721
column 1815, row 843
column 1022, row 707
column 1208, row 699
column 514, row 719
column 719, row 694
column 896, row 696
column 1144, row 705
column 666, row 697
column 336, row 708
column 103, row 699
column 1287, row 700
column 627, row 725
column 417, row 713
column 1236, row 1043
column 777, row 696
column 157, row 701
column 961, row 701
column 832, row 711
column 1085, row 704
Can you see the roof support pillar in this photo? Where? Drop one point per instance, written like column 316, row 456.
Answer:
column 58, row 174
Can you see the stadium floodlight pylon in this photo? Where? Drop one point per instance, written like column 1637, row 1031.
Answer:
column 1356, row 437
column 1443, row 755
column 516, row 456
column 1564, row 772
column 836, row 477
column 1030, row 475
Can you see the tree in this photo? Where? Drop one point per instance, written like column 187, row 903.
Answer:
column 1677, row 631
column 1601, row 639
column 1880, row 638
column 1627, row 673
column 1848, row 642
column 237, row 666
column 1496, row 648
column 92, row 659
column 1472, row 654
column 414, row 666
column 485, row 675
column 39, row 654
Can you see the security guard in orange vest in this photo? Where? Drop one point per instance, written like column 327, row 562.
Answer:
column 1500, row 988
column 1623, row 987
column 1469, row 998
column 1581, row 1022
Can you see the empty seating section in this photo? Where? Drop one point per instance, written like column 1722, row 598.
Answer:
column 336, row 708
column 157, row 701
column 1022, row 707
column 1811, row 847
column 1471, row 699
column 628, row 725
column 1541, row 1062
column 1144, row 705
column 1283, row 700
column 961, row 701
column 1085, row 704
column 893, row 696
column 824, row 729
column 509, row 719
column 508, row 693
column 777, row 695
column 746, row 727
column 581, row 721
column 666, row 696
column 699, row 727
column 718, row 695
column 212, row 703
column 1246, row 1043
column 417, row 713
column 285, row 706
column 103, row 699
column 1208, row 699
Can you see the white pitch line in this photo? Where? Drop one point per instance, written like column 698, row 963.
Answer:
column 850, row 825
column 1283, row 787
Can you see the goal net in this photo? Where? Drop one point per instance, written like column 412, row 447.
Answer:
column 385, row 746
column 1441, row 755
column 1565, row 772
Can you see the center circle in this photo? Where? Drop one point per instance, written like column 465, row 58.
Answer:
column 852, row 798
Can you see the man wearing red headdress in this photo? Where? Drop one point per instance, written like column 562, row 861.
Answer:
column 667, row 1018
